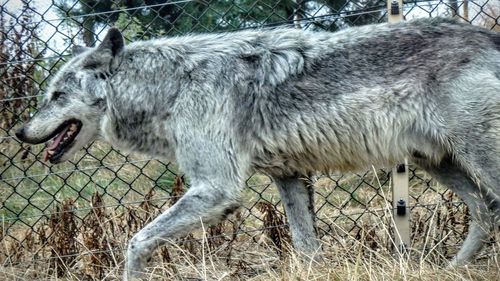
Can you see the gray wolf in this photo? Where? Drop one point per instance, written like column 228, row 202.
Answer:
column 287, row 103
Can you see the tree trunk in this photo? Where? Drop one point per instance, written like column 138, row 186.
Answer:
column 88, row 31
column 453, row 7
column 298, row 11
column 466, row 10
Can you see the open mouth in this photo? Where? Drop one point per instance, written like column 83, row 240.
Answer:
column 63, row 140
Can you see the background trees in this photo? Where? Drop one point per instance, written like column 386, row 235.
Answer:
column 155, row 17
column 19, row 48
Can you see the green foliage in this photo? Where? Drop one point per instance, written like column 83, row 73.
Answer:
column 142, row 19
column 131, row 27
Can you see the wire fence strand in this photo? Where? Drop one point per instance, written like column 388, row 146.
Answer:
column 104, row 166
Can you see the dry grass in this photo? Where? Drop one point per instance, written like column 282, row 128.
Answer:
column 64, row 249
column 349, row 259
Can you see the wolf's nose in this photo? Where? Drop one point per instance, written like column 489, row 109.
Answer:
column 20, row 134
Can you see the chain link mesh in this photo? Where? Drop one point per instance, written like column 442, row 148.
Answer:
column 34, row 41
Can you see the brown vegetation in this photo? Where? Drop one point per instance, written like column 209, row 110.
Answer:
column 93, row 249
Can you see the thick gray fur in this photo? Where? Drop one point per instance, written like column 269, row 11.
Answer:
column 290, row 103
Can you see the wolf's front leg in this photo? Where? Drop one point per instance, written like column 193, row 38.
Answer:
column 215, row 191
column 205, row 201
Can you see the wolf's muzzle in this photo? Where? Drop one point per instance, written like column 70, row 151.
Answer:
column 21, row 134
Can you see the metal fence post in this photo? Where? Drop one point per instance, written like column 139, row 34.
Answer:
column 400, row 204
column 400, row 194
column 394, row 10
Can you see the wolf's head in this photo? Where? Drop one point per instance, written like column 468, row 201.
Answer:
column 72, row 110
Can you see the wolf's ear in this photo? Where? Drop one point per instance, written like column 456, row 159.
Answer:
column 77, row 49
column 113, row 41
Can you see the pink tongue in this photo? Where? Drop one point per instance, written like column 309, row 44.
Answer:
column 58, row 139
column 54, row 144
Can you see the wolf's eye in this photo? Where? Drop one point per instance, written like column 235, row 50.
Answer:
column 56, row 95
column 99, row 102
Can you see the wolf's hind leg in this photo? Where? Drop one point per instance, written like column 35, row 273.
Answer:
column 452, row 175
column 298, row 199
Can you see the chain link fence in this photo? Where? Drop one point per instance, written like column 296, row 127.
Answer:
column 62, row 212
